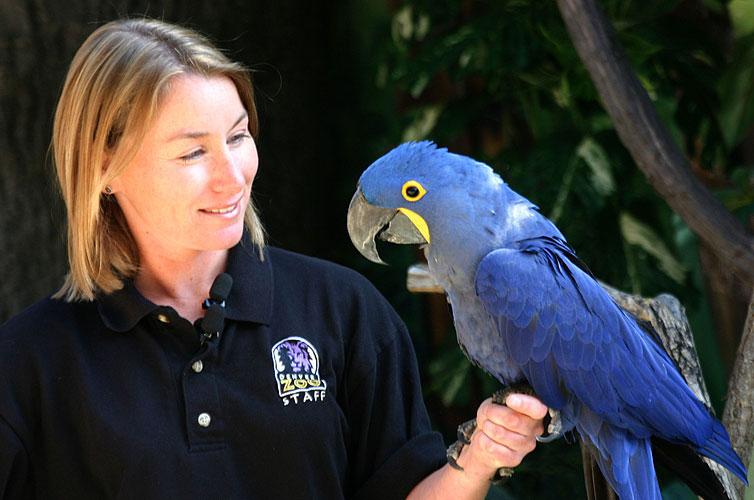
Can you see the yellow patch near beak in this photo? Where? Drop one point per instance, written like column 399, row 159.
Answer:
column 418, row 221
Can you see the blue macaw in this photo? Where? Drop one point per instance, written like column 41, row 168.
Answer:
column 526, row 308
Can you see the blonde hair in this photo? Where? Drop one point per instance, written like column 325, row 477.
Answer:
column 113, row 88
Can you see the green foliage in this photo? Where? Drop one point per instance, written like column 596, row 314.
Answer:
column 501, row 81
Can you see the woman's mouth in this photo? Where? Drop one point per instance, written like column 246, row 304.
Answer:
column 227, row 211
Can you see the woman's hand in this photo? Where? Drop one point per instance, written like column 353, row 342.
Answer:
column 504, row 435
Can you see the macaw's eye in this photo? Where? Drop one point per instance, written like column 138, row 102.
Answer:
column 413, row 191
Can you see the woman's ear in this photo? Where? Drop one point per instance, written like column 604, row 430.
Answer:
column 113, row 184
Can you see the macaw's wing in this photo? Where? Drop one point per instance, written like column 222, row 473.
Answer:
column 574, row 344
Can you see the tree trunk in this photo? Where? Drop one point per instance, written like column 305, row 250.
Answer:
column 738, row 416
column 728, row 298
column 649, row 142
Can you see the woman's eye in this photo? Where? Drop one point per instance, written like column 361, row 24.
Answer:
column 192, row 155
column 239, row 137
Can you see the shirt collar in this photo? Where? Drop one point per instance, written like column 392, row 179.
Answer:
column 124, row 308
column 250, row 296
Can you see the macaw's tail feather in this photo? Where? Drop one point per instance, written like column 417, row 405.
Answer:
column 626, row 463
column 719, row 449
column 682, row 460
column 597, row 487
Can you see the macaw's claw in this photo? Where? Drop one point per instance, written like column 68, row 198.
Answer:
column 554, row 427
column 501, row 395
column 502, row 475
column 454, row 451
column 465, row 430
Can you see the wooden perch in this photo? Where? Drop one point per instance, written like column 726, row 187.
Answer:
column 738, row 416
column 668, row 318
column 648, row 140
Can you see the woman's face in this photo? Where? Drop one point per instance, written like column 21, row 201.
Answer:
column 188, row 185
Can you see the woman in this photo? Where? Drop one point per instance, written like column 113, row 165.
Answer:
column 117, row 387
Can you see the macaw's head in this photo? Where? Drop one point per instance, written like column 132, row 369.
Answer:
column 419, row 194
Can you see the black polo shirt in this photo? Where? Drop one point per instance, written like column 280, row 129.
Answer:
column 311, row 391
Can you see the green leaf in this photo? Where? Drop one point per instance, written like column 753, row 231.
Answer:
column 562, row 94
column 717, row 6
column 455, row 384
column 423, row 124
column 643, row 236
column 381, row 76
column 537, row 116
column 565, row 188
column 742, row 16
column 450, row 372
column 419, row 85
column 402, row 26
column 667, row 108
column 422, row 26
column 737, row 95
column 596, row 158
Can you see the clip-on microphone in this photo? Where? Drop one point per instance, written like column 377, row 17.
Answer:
column 211, row 324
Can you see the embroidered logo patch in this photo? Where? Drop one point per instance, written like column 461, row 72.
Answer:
column 296, row 364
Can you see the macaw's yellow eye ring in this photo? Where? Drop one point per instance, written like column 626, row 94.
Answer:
column 413, row 191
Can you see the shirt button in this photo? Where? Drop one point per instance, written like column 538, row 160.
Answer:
column 197, row 366
column 204, row 419
column 163, row 318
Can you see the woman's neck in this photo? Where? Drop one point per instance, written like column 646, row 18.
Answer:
column 182, row 283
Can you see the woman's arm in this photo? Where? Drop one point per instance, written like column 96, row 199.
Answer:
column 503, row 437
column 15, row 471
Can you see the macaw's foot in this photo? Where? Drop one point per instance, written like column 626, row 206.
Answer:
column 555, row 427
column 465, row 430
column 501, row 395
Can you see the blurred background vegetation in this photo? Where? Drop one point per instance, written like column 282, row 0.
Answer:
column 501, row 81
column 340, row 83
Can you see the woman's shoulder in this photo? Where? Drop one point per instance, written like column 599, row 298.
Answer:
column 328, row 283
column 47, row 317
column 296, row 266
column 342, row 291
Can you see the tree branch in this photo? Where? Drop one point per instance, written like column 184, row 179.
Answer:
column 647, row 139
column 738, row 416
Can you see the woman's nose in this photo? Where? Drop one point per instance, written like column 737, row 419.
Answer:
column 227, row 172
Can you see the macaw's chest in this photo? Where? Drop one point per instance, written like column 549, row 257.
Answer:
column 480, row 339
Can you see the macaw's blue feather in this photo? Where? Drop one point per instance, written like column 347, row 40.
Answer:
column 595, row 356
column 525, row 307
column 626, row 461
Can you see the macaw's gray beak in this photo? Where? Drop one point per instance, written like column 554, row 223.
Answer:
column 366, row 221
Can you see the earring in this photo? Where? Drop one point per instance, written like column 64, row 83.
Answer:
column 108, row 190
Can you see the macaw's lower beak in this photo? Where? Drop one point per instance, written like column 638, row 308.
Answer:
column 395, row 225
